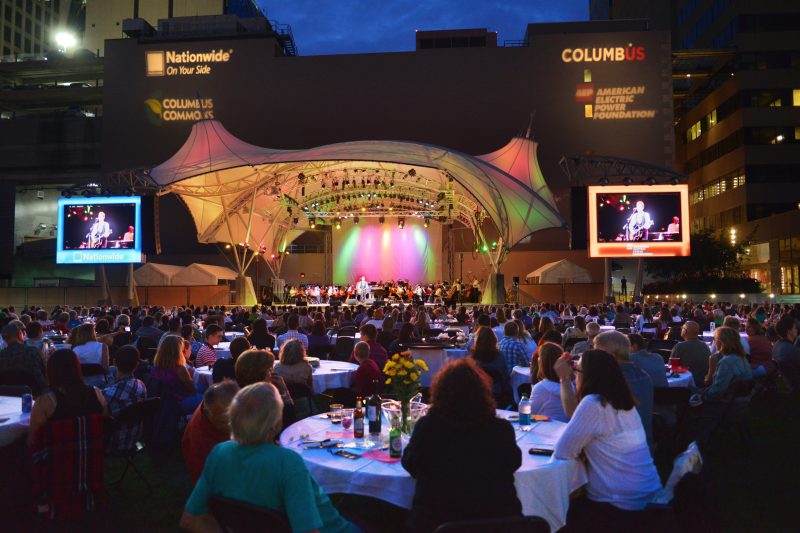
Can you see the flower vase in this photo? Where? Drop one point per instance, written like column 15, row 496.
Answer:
column 405, row 412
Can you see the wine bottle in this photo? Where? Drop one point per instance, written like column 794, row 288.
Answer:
column 358, row 419
column 374, row 410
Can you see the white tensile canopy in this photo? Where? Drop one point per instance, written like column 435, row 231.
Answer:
column 200, row 274
column 258, row 199
column 563, row 271
column 155, row 274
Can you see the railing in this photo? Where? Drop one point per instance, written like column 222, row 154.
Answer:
column 515, row 43
column 305, row 249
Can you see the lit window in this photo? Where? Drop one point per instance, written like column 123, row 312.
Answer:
column 587, row 75
column 587, row 111
column 796, row 97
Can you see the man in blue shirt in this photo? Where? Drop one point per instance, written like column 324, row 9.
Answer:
column 641, row 385
column 512, row 349
column 652, row 363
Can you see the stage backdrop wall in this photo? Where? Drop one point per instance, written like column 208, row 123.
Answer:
column 384, row 251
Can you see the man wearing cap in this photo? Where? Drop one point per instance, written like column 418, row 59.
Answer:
column 19, row 357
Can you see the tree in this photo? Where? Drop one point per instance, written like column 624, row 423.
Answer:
column 711, row 258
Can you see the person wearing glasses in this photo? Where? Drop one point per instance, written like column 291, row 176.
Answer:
column 606, row 428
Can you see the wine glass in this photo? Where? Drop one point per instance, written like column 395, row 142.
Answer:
column 347, row 419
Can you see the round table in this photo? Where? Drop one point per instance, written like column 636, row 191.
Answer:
column 543, row 484
column 223, row 350
column 13, row 424
column 522, row 374
column 329, row 375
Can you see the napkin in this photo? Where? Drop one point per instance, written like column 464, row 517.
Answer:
column 380, row 455
column 338, row 434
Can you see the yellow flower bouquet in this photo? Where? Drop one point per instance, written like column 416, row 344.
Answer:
column 403, row 374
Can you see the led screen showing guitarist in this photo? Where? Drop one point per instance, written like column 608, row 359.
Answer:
column 637, row 227
column 99, row 232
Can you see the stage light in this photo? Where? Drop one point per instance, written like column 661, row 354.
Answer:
column 312, row 223
column 412, row 172
column 674, row 181
column 338, row 224
column 295, row 220
column 772, row 295
column 427, row 222
column 603, row 181
column 650, row 181
column 627, row 181
column 355, row 220
column 227, row 246
column 401, row 222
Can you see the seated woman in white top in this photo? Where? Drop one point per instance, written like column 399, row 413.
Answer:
column 607, row 429
column 546, row 394
column 83, row 342
column 578, row 330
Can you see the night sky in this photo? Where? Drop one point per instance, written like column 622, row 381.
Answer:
column 366, row 26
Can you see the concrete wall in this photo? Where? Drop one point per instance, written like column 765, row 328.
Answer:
column 312, row 265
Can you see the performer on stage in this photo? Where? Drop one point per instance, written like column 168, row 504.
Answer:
column 637, row 228
column 128, row 236
column 362, row 287
column 99, row 232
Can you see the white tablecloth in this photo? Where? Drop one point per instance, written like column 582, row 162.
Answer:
column 223, row 350
column 522, row 374
column 329, row 375
column 333, row 338
column 435, row 358
column 230, row 335
column 543, row 484
column 13, row 423
column 708, row 336
column 456, row 353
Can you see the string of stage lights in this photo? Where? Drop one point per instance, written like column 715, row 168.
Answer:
column 348, row 196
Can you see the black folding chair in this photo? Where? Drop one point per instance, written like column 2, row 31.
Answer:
column 729, row 413
column 659, row 344
column 344, row 348
column 571, row 342
column 135, row 415
column 302, row 396
column 20, row 377
column 320, row 351
column 90, row 370
column 347, row 331
column 235, row 516
column 515, row 524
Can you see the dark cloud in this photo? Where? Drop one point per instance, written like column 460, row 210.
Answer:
column 364, row 26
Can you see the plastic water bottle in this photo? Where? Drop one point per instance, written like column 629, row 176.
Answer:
column 524, row 411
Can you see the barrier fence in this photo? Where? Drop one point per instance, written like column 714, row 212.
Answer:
column 90, row 296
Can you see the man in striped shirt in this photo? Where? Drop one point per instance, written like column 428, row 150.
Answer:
column 207, row 355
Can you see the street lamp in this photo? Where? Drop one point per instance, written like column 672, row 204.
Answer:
column 65, row 40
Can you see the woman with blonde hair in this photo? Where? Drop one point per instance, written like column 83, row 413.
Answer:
column 294, row 368
column 170, row 370
column 90, row 351
column 731, row 366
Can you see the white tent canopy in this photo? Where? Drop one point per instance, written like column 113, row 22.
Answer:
column 239, row 193
column 155, row 274
column 200, row 274
column 563, row 271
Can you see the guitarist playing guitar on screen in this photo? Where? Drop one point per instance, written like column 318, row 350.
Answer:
column 638, row 225
column 98, row 234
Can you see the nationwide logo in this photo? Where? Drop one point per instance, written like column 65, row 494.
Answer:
column 180, row 109
column 599, row 54
column 184, row 63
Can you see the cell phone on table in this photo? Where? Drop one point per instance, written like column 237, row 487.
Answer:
column 540, row 451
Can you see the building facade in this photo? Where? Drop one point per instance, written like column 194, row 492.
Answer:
column 29, row 26
column 736, row 76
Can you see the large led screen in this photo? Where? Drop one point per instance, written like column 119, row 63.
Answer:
column 99, row 230
column 639, row 221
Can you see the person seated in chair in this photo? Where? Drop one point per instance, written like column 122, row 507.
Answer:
column 251, row 468
column 124, row 392
column 652, row 363
column 208, row 427
column 260, row 337
column 377, row 353
column 367, row 379
column 462, row 420
column 19, row 357
column 226, row 368
column 785, row 353
column 207, row 354
column 293, row 367
column 69, row 396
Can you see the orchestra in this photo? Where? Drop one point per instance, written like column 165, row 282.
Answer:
column 395, row 291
